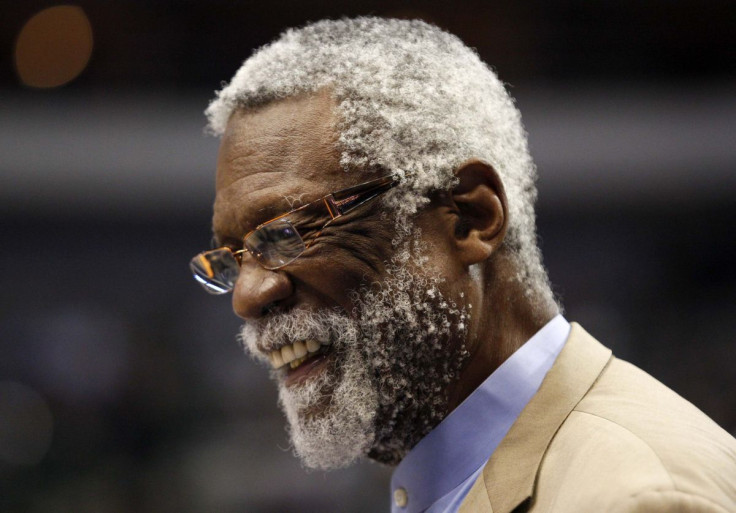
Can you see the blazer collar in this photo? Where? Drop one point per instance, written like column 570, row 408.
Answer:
column 510, row 474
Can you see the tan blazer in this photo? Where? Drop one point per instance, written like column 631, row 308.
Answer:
column 601, row 435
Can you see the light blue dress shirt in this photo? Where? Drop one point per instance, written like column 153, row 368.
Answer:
column 439, row 471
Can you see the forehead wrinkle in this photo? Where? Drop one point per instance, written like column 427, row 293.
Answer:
column 285, row 160
column 244, row 211
column 259, row 206
column 287, row 135
column 276, row 141
column 275, row 159
column 233, row 166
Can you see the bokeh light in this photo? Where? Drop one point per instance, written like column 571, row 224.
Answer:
column 26, row 424
column 53, row 47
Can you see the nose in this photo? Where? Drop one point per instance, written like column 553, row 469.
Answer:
column 257, row 289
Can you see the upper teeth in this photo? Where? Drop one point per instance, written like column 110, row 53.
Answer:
column 294, row 352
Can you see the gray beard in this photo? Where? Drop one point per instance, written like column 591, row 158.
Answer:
column 386, row 386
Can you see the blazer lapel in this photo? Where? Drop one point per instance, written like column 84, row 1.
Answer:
column 477, row 499
column 510, row 474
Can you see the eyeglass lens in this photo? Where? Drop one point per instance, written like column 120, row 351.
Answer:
column 275, row 244
column 215, row 270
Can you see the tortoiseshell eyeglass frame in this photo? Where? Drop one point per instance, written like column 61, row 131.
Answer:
column 335, row 204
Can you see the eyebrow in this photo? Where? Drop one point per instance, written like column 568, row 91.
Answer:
column 264, row 214
column 270, row 211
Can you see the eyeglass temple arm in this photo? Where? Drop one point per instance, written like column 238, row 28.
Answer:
column 340, row 203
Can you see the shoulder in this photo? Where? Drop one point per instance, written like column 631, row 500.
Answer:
column 632, row 444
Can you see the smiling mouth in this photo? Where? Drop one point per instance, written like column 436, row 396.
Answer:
column 296, row 354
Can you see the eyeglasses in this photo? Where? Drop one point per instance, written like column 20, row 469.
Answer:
column 283, row 239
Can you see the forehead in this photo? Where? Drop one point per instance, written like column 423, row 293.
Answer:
column 275, row 158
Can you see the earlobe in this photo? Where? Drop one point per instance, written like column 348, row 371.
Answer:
column 482, row 211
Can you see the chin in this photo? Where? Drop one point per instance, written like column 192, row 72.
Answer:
column 332, row 416
column 383, row 385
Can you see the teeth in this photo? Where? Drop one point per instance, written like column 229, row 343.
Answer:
column 295, row 354
column 287, row 353
column 312, row 345
column 300, row 350
column 296, row 363
column 276, row 359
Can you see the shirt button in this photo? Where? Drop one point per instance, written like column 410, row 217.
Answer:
column 401, row 497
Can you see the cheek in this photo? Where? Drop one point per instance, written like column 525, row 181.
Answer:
column 434, row 246
column 340, row 263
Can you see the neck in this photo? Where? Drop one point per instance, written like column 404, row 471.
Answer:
column 504, row 318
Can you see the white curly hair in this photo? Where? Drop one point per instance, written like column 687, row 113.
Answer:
column 411, row 99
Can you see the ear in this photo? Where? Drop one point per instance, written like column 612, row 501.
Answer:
column 482, row 221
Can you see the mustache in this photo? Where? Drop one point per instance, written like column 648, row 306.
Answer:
column 258, row 337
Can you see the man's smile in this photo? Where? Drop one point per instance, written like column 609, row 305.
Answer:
column 297, row 353
column 310, row 367
column 303, row 359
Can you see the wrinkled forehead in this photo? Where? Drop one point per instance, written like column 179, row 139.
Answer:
column 275, row 158
column 295, row 134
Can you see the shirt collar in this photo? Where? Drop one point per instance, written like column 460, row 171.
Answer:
column 467, row 437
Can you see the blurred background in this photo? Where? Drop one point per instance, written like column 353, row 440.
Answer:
column 122, row 388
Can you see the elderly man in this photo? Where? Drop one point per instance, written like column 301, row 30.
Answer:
column 374, row 221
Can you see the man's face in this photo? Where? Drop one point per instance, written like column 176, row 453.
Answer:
column 389, row 335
